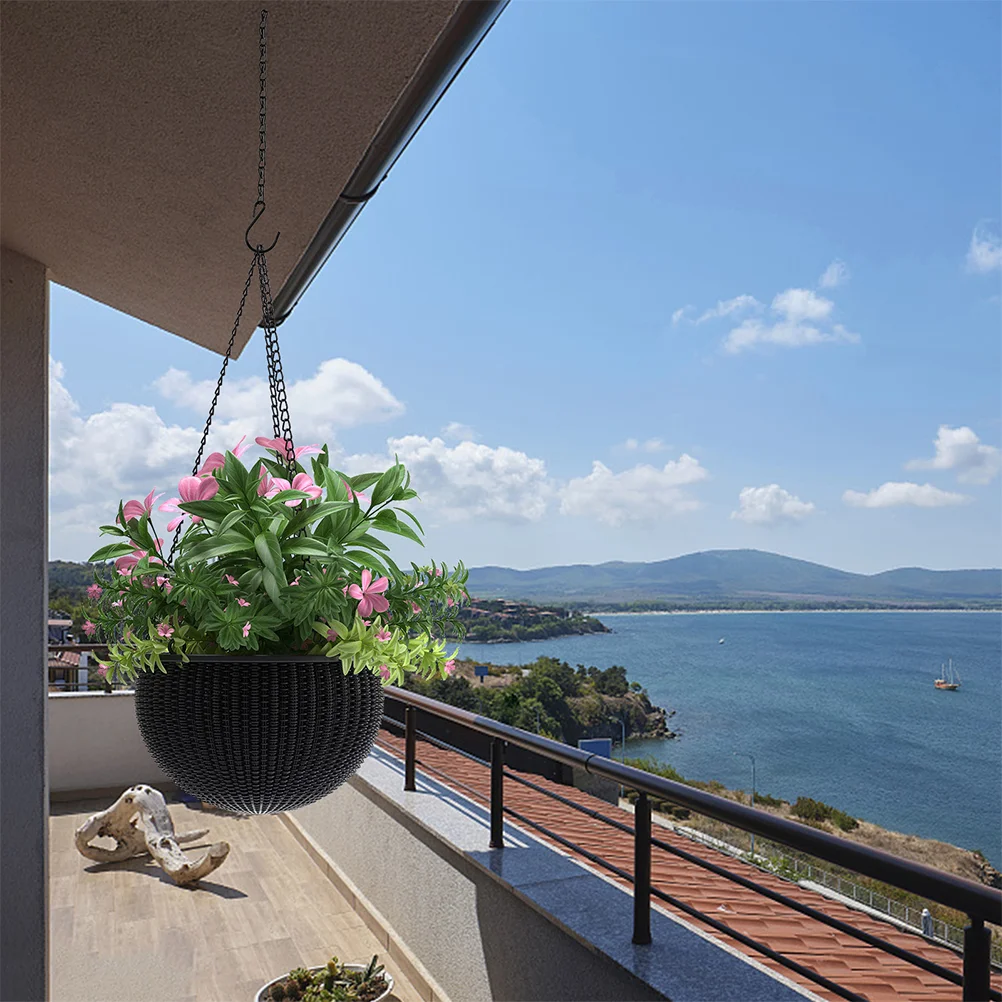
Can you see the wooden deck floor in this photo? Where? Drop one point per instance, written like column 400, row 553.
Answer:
column 126, row 933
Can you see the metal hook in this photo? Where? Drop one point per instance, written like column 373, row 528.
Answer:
column 259, row 208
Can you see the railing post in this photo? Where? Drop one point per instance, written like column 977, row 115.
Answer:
column 642, row 871
column 977, row 961
column 410, row 746
column 497, row 794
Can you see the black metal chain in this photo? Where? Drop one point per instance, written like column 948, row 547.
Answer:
column 262, row 131
column 219, row 386
column 281, row 423
column 276, row 378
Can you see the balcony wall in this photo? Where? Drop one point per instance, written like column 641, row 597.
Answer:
column 95, row 746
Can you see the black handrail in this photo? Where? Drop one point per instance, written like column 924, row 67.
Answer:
column 963, row 895
column 981, row 904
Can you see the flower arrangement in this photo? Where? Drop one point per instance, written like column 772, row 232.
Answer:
column 274, row 561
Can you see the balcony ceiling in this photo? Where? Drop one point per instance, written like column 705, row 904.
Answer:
column 130, row 133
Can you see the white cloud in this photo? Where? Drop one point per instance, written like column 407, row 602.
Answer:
column 834, row 275
column 650, row 445
column 454, row 431
column 803, row 318
column 124, row 450
column 985, row 252
column 681, row 314
column 892, row 494
column 642, row 493
column 961, row 450
column 726, row 307
column 469, row 480
column 768, row 505
column 340, row 394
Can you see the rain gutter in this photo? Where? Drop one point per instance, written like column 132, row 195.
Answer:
column 440, row 66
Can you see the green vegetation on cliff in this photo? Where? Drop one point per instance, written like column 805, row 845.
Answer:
column 550, row 697
column 498, row 620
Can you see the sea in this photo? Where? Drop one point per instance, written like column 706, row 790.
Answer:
column 838, row 706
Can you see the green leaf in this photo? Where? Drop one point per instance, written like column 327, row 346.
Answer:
column 218, row 545
column 216, row 510
column 111, row 552
column 363, row 480
column 269, row 549
column 304, row 547
column 387, row 484
column 273, row 586
column 314, row 513
column 289, row 495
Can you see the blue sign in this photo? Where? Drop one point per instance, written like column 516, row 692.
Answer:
column 481, row 672
column 597, row 746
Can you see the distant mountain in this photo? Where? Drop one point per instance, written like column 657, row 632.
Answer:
column 718, row 576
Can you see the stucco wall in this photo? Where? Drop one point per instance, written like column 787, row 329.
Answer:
column 94, row 744
column 477, row 939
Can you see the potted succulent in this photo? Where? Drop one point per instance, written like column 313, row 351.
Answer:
column 334, row 982
column 259, row 643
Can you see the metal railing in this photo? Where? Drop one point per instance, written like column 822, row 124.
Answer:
column 981, row 904
column 71, row 679
column 768, row 857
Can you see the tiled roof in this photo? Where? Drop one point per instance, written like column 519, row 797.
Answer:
column 863, row 969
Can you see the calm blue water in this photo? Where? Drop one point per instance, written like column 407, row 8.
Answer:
column 835, row 706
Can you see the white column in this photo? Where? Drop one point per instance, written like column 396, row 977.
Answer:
column 24, row 491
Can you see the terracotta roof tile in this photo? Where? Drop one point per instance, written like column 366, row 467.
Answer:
column 849, row 962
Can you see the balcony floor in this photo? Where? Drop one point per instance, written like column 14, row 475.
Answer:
column 125, row 932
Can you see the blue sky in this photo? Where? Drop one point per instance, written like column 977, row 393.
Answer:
column 745, row 257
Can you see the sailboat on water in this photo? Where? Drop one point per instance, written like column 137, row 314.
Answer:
column 948, row 680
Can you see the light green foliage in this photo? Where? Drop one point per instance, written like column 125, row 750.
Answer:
column 271, row 575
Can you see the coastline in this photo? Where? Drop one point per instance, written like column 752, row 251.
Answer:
column 782, row 612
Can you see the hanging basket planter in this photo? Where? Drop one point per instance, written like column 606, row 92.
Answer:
column 258, row 735
column 259, row 640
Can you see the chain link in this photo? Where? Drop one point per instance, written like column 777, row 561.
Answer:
column 219, row 386
column 262, row 107
column 276, row 378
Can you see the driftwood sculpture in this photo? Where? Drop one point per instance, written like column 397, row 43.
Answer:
column 140, row 824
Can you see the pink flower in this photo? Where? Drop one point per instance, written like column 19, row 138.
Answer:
column 190, row 489
column 216, row 460
column 292, row 584
column 230, row 579
column 125, row 565
column 304, row 482
column 332, row 635
column 384, row 673
column 279, row 445
column 269, row 486
column 449, row 667
column 369, row 598
column 415, row 607
column 137, row 509
column 383, row 635
column 94, row 591
column 247, row 628
column 449, row 602
column 89, row 628
column 244, row 603
column 165, row 630
column 164, row 582
column 438, row 572
column 102, row 671
column 117, row 605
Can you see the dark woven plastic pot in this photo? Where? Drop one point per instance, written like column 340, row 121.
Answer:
column 258, row 735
